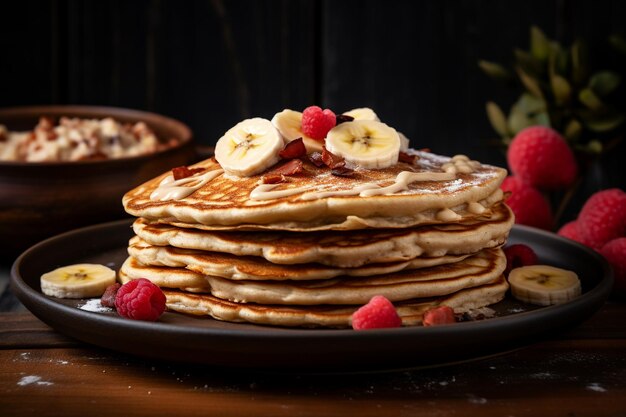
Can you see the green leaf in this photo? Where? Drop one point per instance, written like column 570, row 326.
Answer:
column 579, row 62
column 561, row 89
column 531, row 84
column 539, row 44
column 528, row 110
column 558, row 60
column 594, row 146
column 527, row 62
column 591, row 100
column 497, row 119
column 604, row 83
column 604, row 123
column 495, row 70
column 618, row 42
column 573, row 130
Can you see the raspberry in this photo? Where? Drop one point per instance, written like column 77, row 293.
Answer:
column 518, row 255
column 140, row 299
column 615, row 252
column 603, row 218
column 541, row 157
column 438, row 315
column 570, row 231
column 108, row 298
column 317, row 122
column 529, row 205
column 376, row 314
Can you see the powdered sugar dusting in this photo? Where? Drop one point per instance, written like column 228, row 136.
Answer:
column 95, row 306
column 594, row 386
column 33, row 379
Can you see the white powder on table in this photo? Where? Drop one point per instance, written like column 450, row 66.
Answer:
column 32, row 379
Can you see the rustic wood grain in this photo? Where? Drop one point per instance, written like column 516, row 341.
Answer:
column 578, row 373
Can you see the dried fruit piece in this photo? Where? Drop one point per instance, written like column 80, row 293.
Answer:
column 294, row 149
column 292, row 167
column 438, row 315
column 108, row 298
column 183, row 172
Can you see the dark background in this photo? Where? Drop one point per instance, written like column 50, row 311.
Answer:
column 213, row 63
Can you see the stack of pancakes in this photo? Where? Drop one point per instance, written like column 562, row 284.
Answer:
column 312, row 249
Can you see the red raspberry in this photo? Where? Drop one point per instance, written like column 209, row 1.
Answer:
column 140, row 299
column 603, row 218
column 570, row 231
column 317, row 122
column 376, row 314
column 518, row 255
column 438, row 315
column 615, row 252
column 529, row 205
column 541, row 157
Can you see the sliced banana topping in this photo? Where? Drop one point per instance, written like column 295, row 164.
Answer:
column 250, row 147
column 404, row 142
column 289, row 124
column 77, row 281
column 366, row 143
column 544, row 285
column 362, row 113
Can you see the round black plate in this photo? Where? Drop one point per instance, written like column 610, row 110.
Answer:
column 204, row 340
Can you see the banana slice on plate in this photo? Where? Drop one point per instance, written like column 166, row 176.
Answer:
column 362, row 113
column 367, row 143
column 544, row 285
column 250, row 147
column 289, row 124
column 77, row 281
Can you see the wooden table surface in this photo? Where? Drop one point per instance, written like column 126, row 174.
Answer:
column 578, row 373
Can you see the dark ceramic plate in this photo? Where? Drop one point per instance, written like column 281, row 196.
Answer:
column 203, row 340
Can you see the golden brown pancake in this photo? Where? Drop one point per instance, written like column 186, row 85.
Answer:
column 357, row 248
column 473, row 271
column 227, row 202
column 410, row 311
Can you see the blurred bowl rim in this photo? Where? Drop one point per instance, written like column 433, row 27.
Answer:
column 92, row 111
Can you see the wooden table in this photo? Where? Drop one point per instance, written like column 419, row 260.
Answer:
column 579, row 373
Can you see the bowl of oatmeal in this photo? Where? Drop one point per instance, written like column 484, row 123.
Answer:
column 63, row 167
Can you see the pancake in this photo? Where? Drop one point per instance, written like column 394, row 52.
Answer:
column 331, row 248
column 255, row 268
column 317, row 200
column 410, row 311
column 476, row 270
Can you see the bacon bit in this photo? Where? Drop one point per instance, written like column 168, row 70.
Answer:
column 331, row 160
column 341, row 170
column 316, row 159
column 292, row 167
column 405, row 157
column 183, row 172
column 294, row 149
column 342, row 118
column 273, row 179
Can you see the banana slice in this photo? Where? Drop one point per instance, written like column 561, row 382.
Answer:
column 363, row 113
column 404, row 142
column 544, row 285
column 250, row 147
column 289, row 124
column 366, row 143
column 77, row 281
